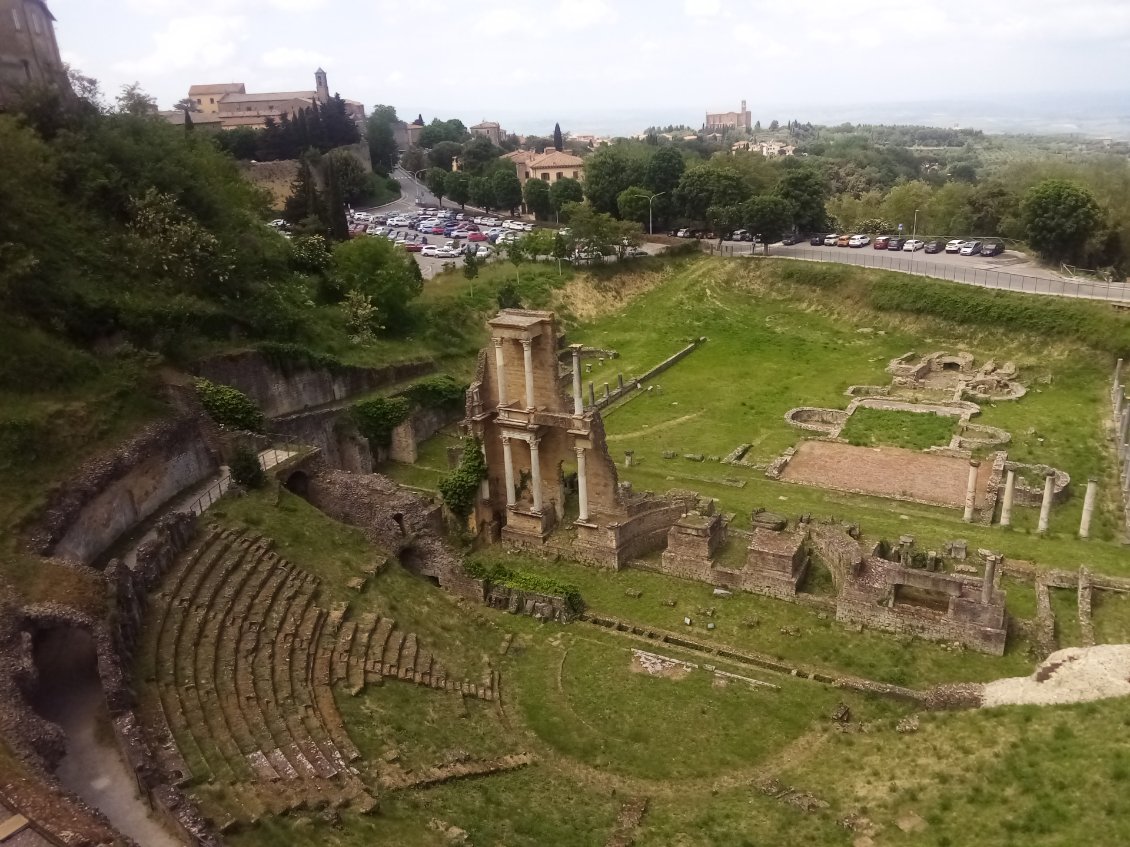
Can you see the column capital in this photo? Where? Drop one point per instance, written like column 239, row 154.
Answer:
column 505, row 439
column 580, row 451
column 534, row 441
column 576, row 348
column 498, row 341
column 526, row 342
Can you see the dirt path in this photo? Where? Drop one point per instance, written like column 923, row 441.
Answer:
column 620, row 436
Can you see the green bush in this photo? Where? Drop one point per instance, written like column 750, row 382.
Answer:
column 525, row 581
column 377, row 418
column 229, row 407
column 290, row 357
column 441, row 391
column 460, row 487
column 246, row 470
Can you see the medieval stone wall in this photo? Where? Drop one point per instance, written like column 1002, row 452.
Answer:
column 340, row 444
column 280, row 391
column 113, row 493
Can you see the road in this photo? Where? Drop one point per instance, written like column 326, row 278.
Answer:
column 1010, row 271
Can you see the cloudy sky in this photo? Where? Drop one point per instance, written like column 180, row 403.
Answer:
column 591, row 63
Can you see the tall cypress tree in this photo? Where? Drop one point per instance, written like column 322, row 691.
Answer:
column 304, row 201
column 188, row 125
column 558, row 141
column 334, row 204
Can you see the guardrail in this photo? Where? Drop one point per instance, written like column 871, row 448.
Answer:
column 281, row 450
column 919, row 264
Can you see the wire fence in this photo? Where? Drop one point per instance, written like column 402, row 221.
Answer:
column 920, row 264
column 274, row 455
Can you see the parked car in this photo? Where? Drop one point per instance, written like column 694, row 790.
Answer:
column 279, row 223
column 446, row 253
column 913, row 244
column 954, row 246
column 413, row 246
column 971, row 248
column 993, row 249
column 896, row 243
column 741, row 235
column 483, row 252
column 843, row 241
column 934, row 247
column 859, row 241
column 790, row 240
column 683, row 233
column 515, row 225
column 816, row 240
column 634, row 253
column 881, row 242
column 830, row 240
column 476, row 236
column 429, row 250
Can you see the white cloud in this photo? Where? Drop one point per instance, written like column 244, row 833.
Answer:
column 702, row 8
column 293, row 57
column 197, row 42
column 582, row 14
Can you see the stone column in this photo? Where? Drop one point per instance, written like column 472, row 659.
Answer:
column 578, row 399
column 1126, row 476
column 1124, row 427
column 971, row 491
column 620, row 381
column 528, row 363
column 592, row 395
column 1006, row 506
column 508, row 459
column 991, row 562
column 582, row 484
column 535, row 470
column 1046, row 505
column 606, row 391
column 1118, row 372
column 500, row 371
column 1119, row 396
column 629, row 458
column 484, row 485
column 1088, row 507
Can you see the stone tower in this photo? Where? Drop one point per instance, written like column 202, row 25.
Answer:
column 29, row 54
column 322, row 84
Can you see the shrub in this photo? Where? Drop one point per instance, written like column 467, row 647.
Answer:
column 290, row 357
column 377, row 418
column 459, row 487
column 229, row 407
column 525, row 581
column 246, row 470
column 437, row 392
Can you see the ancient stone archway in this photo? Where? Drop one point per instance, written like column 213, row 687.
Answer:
column 298, row 483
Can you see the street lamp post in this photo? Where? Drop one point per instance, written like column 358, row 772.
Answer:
column 650, row 230
column 914, row 233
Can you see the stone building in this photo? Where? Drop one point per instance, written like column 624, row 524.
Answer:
column 490, row 130
column 29, row 53
column 535, row 439
column 722, row 121
column 549, row 166
column 235, row 106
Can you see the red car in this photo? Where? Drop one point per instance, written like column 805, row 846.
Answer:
column 881, row 242
column 476, row 236
column 413, row 246
column 435, row 230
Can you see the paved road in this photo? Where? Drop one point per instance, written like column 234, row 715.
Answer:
column 1010, row 271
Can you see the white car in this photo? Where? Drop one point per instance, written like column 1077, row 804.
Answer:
column 859, row 241
column 430, row 250
column 913, row 244
column 398, row 221
column 683, row 233
column 446, row 253
column 278, row 223
column 830, row 240
column 971, row 248
column 527, row 227
column 955, row 246
column 489, row 221
column 483, row 252
column 480, row 219
column 361, row 218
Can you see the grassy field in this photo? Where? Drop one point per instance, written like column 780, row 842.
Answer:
column 876, row 428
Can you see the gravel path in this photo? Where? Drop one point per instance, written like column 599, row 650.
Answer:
column 1072, row 675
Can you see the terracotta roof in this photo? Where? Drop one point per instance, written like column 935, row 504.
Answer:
column 522, row 156
column 486, row 125
column 219, row 88
column 557, row 159
column 241, row 97
column 176, row 117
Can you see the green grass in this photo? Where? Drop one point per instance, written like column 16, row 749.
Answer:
column 878, row 427
column 1110, row 614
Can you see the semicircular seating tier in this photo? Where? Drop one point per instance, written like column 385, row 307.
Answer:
column 244, row 662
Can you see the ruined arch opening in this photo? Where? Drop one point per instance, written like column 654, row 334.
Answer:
column 413, row 561
column 398, row 519
column 298, row 483
column 951, row 366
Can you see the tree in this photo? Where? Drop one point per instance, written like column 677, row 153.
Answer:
column 441, row 154
column 1059, row 217
column 607, row 173
column 470, row 266
column 477, row 154
column 768, row 217
column 460, row 487
column 537, row 197
column 565, row 190
column 757, row 126
column 245, row 468
column 186, row 104
column 334, row 205
column 414, row 160
column 558, row 143
column 458, row 187
column 538, row 243
column 805, row 191
column 86, row 88
column 774, row 126
column 723, row 219
column 352, row 178
column 482, row 192
column 436, row 180
column 339, row 127
column 663, row 173
column 305, row 201
column 903, row 201
column 134, row 101
column 377, row 269
column 633, row 204
column 705, row 186
column 383, row 149
column 507, row 189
